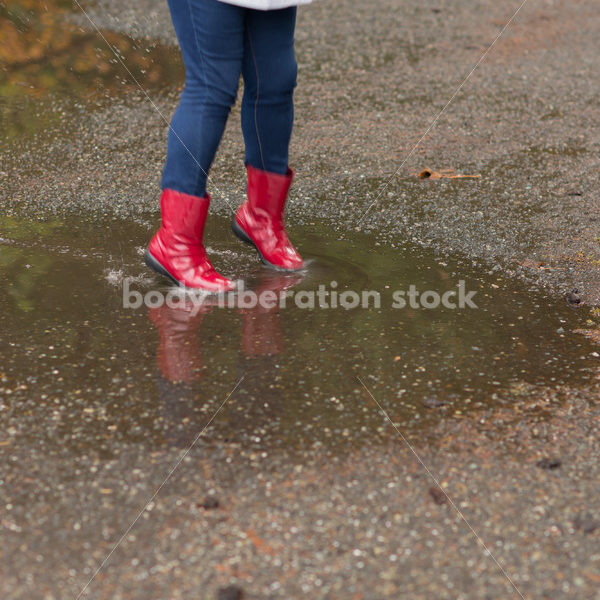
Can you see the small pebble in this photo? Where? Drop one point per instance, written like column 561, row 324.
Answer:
column 433, row 402
column 573, row 297
column 585, row 523
column 549, row 463
column 209, row 503
column 438, row 495
column 231, row 592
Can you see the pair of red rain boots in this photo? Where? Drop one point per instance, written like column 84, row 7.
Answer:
column 177, row 251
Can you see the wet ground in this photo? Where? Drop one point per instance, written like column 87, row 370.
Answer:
column 70, row 290
column 299, row 484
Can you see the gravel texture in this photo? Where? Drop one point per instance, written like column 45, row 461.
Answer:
column 331, row 521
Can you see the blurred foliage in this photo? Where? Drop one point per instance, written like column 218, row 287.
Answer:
column 43, row 53
column 25, row 269
column 21, row 229
column 25, row 277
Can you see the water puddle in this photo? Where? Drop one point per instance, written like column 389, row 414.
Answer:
column 83, row 372
column 80, row 371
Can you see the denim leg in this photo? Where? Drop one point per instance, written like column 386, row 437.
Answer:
column 269, row 69
column 211, row 37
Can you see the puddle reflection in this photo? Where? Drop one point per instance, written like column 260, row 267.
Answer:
column 179, row 354
column 48, row 64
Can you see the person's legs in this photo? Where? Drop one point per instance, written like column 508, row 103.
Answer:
column 211, row 37
column 269, row 70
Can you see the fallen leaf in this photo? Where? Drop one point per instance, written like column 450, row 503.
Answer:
column 533, row 264
column 444, row 174
column 592, row 576
column 592, row 334
column 259, row 543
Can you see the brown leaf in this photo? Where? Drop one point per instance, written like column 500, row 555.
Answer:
column 592, row 576
column 260, row 544
column 592, row 334
column 533, row 264
column 443, row 174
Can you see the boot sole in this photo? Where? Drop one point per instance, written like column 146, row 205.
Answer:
column 242, row 235
column 153, row 264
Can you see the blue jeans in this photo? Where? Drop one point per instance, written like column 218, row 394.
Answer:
column 219, row 42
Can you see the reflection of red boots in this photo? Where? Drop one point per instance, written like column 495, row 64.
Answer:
column 259, row 221
column 176, row 250
column 261, row 328
column 261, row 333
column 179, row 353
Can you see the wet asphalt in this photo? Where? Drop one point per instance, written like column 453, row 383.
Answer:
column 315, row 502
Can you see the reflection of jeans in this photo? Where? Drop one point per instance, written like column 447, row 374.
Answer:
column 219, row 42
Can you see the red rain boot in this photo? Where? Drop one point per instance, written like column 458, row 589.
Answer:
column 259, row 221
column 176, row 250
